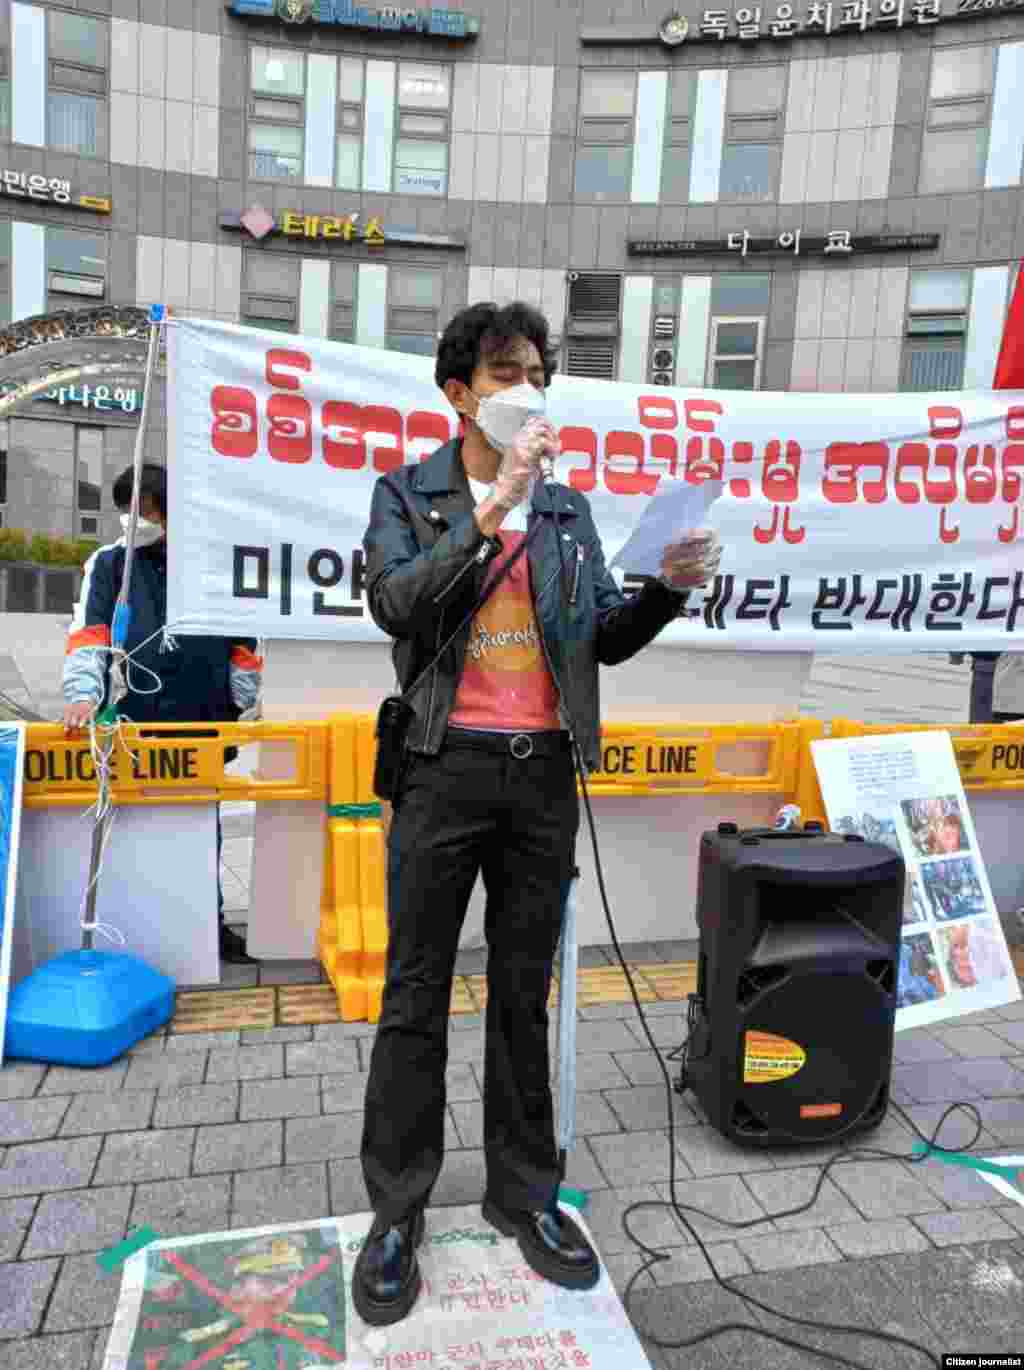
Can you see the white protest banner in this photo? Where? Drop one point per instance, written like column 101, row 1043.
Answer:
column 849, row 522
column 905, row 791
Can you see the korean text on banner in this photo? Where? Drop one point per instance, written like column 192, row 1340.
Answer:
column 892, row 523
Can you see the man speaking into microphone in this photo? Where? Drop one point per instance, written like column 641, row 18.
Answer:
column 488, row 784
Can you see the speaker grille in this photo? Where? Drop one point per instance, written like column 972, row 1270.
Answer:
column 756, row 979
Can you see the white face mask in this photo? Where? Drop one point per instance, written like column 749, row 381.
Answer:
column 146, row 533
column 500, row 417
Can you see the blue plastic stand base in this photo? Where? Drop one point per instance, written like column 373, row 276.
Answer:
column 86, row 1008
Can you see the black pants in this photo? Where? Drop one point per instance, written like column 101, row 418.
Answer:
column 459, row 814
column 220, row 886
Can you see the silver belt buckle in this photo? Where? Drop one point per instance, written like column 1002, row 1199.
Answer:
column 518, row 740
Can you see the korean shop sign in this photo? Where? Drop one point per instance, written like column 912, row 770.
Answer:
column 347, row 229
column 104, row 398
column 426, row 22
column 837, row 243
column 20, row 185
column 810, row 19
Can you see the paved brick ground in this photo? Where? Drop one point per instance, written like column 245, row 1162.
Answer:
column 193, row 1134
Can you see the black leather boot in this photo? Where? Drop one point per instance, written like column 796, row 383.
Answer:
column 551, row 1244
column 386, row 1281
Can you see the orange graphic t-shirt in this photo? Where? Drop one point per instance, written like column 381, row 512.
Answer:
column 506, row 685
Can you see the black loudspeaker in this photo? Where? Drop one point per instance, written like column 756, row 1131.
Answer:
column 791, row 1028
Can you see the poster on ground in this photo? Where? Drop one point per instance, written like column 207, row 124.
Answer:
column 905, row 791
column 847, row 526
column 280, row 1298
column 12, row 765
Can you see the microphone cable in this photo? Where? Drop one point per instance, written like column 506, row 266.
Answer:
column 845, row 1153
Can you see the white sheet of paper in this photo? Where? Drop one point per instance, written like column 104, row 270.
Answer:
column 669, row 516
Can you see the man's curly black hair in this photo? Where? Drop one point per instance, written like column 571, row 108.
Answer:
column 484, row 330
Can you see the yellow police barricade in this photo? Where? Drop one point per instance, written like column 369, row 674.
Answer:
column 170, row 763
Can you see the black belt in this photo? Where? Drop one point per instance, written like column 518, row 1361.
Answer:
column 519, row 745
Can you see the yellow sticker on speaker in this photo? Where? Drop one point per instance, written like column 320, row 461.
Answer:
column 767, row 1057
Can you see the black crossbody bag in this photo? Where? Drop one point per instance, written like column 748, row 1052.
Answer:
column 396, row 714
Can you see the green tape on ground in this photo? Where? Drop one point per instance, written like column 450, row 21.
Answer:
column 117, row 1255
column 354, row 811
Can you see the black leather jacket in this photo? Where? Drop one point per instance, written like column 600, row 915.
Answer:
column 426, row 563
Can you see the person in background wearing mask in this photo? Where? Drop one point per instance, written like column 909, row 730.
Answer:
column 488, row 786
column 201, row 679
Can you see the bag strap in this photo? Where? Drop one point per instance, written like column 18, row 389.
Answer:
column 488, row 590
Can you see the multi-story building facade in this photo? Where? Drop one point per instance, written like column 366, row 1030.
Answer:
column 806, row 196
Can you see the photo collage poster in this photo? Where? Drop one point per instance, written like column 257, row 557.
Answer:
column 12, row 765
column 905, row 791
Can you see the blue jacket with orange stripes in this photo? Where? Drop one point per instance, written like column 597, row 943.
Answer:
column 194, row 680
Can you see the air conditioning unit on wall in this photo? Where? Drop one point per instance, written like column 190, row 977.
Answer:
column 662, row 368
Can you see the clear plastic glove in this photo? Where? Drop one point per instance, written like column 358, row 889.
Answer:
column 77, row 716
column 520, row 464
column 252, row 714
column 692, row 561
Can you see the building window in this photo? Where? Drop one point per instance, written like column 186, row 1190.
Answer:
column 955, row 144
column 739, row 313
column 936, row 341
column 77, row 90
column 414, row 309
column 5, row 271
column 604, row 147
column 89, row 480
column 76, row 268
column 276, row 114
column 4, row 431
column 348, row 173
column 675, row 171
column 752, row 152
column 423, row 124
column 270, row 291
column 344, row 279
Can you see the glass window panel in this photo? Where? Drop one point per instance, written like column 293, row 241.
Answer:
column 350, row 80
column 350, row 150
column 74, row 123
column 5, row 109
column 74, row 38
column 607, row 92
column 415, row 289
column 606, row 131
column 90, row 468
column 351, row 118
column 343, row 281
column 421, row 156
column 736, row 340
column 263, row 308
column 740, row 295
column 424, row 345
column 423, row 87
column 942, row 324
column 755, row 89
column 603, row 171
column 682, row 93
column 435, row 124
column 750, row 171
column 275, row 153
column 734, row 376
column 680, row 131
column 965, row 112
column 81, row 254
column 87, row 80
column 421, row 168
column 276, row 109
column 953, row 159
column 666, row 297
column 961, row 71
column 271, row 273
column 939, row 290
column 939, row 367
column 275, row 71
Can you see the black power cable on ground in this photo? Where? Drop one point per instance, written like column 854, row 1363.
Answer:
column 845, row 1154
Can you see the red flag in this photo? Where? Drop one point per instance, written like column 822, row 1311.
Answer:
column 1010, row 366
